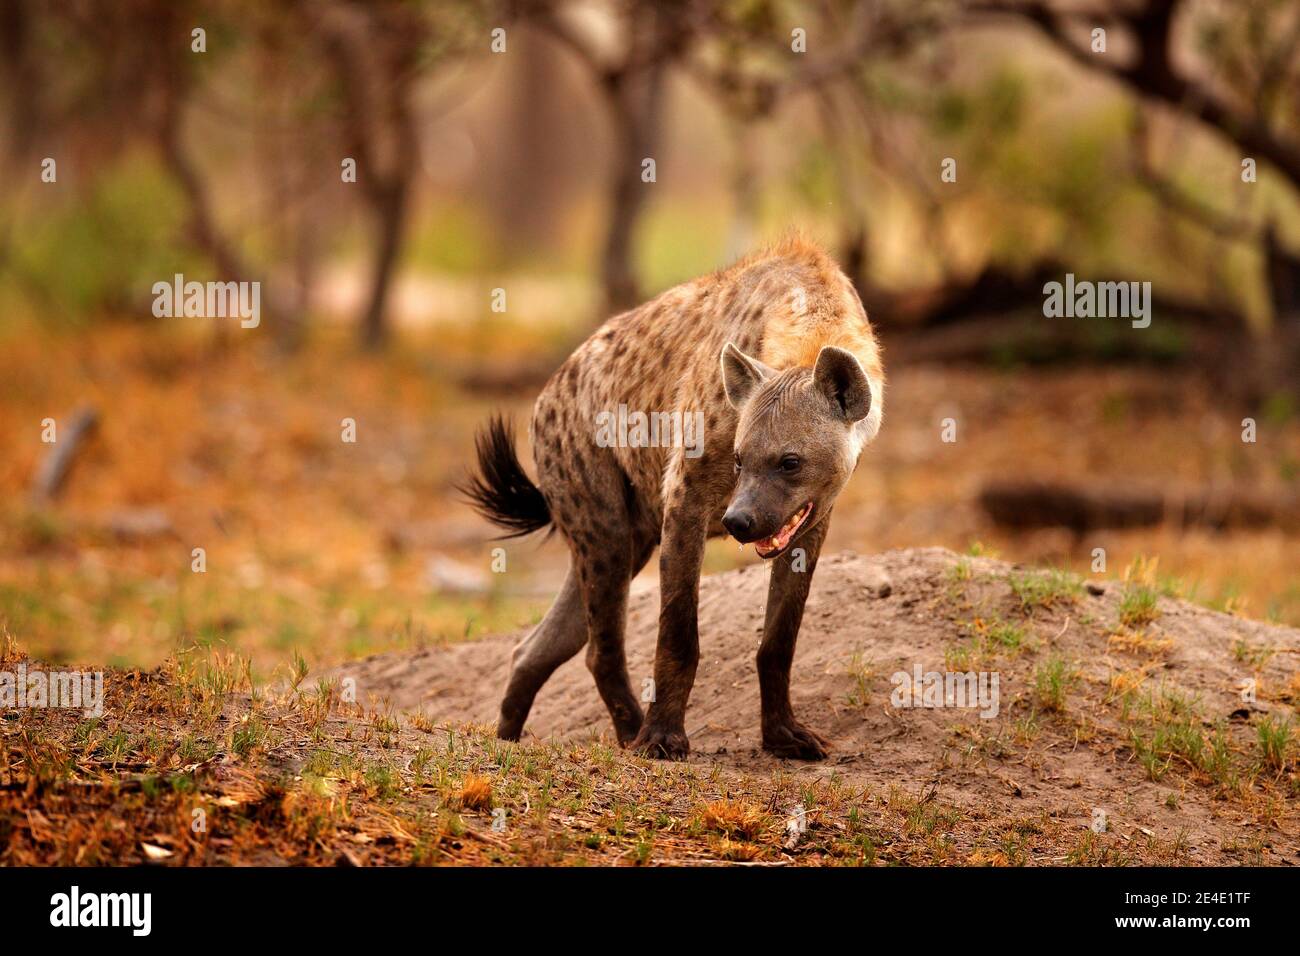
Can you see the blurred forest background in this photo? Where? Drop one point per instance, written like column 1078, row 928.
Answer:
column 500, row 146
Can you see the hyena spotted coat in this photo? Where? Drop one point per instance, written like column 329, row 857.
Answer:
column 777, row 353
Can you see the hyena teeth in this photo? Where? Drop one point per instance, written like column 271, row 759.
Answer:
column 782, row 538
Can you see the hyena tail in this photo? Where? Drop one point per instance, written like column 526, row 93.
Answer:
column 501, row 491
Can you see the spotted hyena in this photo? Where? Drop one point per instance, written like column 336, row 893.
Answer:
column 775, row 361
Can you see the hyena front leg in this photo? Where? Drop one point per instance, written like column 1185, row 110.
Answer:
column 681, row 553
column 787, row 592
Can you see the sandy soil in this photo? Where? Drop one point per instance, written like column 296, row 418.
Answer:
column 869, row 617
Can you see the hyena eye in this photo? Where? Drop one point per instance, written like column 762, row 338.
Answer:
column 737, row 463
column 790, row 464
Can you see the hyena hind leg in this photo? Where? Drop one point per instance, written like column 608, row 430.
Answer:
column 557, row 638
column 606, row 575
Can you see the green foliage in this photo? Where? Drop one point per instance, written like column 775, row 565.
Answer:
column 1053, row 679
column 677, row 240
column 452, row 239
column 104, row 249
column 1035, row 589
column 1276, row 737
column 1139, row 606
column 997, row 104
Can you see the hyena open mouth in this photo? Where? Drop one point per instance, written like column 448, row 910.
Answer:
column 772, row 546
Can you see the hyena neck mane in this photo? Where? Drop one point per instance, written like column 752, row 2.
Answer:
column 818, row 305
column 809, row 304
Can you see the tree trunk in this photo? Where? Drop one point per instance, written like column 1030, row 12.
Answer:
column 390, row 211
column 636, row 102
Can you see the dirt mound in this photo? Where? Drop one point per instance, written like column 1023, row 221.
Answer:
column 1123, row 705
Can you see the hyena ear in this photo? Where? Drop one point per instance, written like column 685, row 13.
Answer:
column 840, row 378
column 741, row 375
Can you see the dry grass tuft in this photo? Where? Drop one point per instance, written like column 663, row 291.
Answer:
column 476, row 793
column 733, row 818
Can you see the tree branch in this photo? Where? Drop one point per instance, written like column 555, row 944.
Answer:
column 1153, row 75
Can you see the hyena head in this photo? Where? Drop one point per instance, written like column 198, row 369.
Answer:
column 798, row 436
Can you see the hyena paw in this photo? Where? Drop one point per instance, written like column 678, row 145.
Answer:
column 627, row 723
column 661, row 743
column 509, row 728
column 794, row 741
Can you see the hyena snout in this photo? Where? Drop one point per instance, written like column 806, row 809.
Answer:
column 741, row 524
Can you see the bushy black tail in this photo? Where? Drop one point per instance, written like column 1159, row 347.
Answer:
column 501, row 492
